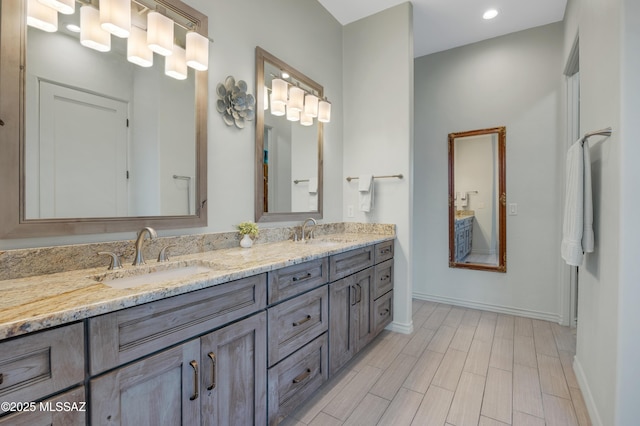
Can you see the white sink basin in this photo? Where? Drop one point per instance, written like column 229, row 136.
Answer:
column 156, row 277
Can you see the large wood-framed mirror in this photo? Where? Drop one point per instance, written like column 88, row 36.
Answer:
column 93, row 143
column 477, row 200
column 288, row 155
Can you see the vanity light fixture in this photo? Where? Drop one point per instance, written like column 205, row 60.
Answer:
column 115, row 17
column 277, row 109
column 66, row 7
column 324, row 111
column 305, row 119
column 137, row 50
column 311, row 105
column 91, row 33
column 176, row 65
column 197, row 51
column 42, row 16
column 278, row 92
column 296, row 99
column 490, row 14
column 160, row 33
column 293, row 114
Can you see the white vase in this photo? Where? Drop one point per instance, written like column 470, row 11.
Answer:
column 246, row 241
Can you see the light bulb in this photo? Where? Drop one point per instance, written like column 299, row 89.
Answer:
column 115, row 17
column 278, row 91
column 197, row 51
column 311, row 105
column 324, row 112
column 137, row 50
column 176, row 65
column 42, row 17
column 91, row 33
column 159, row 33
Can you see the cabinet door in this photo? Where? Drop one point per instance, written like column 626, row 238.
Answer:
column 342, row 330
column 234, row 373
column 363, row 282
column 160, row 390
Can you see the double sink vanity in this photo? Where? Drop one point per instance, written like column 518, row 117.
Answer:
column 225, row 336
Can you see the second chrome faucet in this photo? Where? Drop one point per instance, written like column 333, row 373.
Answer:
column 139, row 258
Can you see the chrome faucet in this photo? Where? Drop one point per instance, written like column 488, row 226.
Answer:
column 304, row 226
column 139, row 259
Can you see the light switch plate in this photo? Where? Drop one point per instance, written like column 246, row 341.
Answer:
column 350, row 211
column 513, row 209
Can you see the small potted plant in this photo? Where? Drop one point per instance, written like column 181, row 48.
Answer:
column 248, row 231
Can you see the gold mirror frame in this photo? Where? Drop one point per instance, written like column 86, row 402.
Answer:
column 12, row 117
column 261, row 215
column 501, row 265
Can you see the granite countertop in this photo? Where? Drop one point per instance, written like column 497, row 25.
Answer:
column 38, row 302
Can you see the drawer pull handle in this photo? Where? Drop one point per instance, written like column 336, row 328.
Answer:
column 359, row 297
column 302, row 376
column 384, row 312
column 304, row 277
column 302, row 321
column 385, row 278
column 212, row 357
column 1, row 378
column 195, row 395
column 385, row 251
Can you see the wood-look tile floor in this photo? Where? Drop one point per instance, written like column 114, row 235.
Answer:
column 459, row 367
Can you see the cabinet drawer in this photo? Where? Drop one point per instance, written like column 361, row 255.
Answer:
column 296, row 378
column 41, row 364
column 129, row 334
column 67, row 409
column 288, row 282
column 382, row 312
column 383, row 251
column 383, row 281
column 294, row 323
column 350, row 262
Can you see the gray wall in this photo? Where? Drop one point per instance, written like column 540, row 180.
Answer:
column 378, row 118
column 513, row 81
column 609, row 320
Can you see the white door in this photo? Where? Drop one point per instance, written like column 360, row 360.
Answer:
column 81, row 176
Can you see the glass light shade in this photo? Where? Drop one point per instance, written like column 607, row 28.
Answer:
column 306, row 120
column 91, row 33
column 277, row 108
column 296, row 99
column 324, row 112
column 160, row 33
column 265, row 97
column 311, row 105
column 176, row 65
column 137, row 50
column 42, row 17
column 115, row 17
column 66, row 7
column 292, row 114
column 278, row 92
column 197, row 51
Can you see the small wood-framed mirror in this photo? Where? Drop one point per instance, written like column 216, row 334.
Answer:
column 477, row 200
column 288, row 158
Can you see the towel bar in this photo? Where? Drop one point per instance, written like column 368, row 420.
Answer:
column 399, row 176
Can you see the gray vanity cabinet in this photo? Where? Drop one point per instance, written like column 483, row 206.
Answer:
column 35, row 366
column 217, row 379
column 56, row 411
column 361, row 303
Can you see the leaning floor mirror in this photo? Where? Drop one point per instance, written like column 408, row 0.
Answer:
column 477, row 200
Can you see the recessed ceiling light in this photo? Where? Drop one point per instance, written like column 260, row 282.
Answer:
column 490, row 14
column 73, row 28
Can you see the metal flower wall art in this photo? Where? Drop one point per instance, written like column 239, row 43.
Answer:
column 234, row 103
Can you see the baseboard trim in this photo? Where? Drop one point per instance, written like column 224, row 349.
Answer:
column 546, row 316
column 586, row 393
column 400, row 327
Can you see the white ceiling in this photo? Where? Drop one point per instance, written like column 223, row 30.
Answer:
column 443, row 24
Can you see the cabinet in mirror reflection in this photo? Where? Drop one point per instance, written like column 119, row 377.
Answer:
column 477, row 199
column 288, row 153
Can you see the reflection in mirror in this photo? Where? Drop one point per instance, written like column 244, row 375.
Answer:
column 107, row 145
column 477, row 199
column 288, row 153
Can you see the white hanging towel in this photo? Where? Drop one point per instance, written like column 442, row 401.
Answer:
column 365, row 188
column 577, row 227
column 313, row 194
